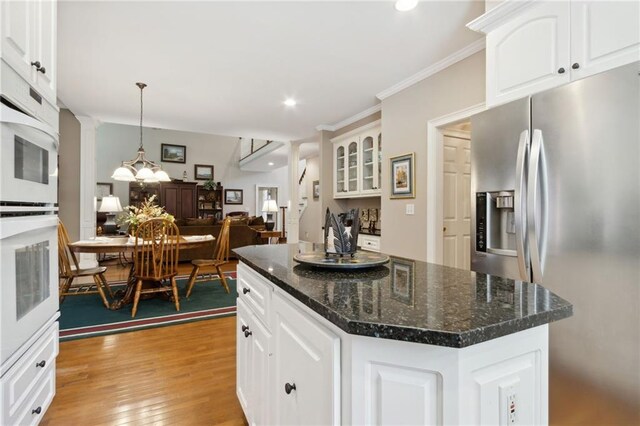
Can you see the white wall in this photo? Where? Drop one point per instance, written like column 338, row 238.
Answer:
column 117, row 142
column 312, row 218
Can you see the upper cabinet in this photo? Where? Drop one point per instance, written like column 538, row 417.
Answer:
column 357, row 162
column 536, row 45
column 28, row 44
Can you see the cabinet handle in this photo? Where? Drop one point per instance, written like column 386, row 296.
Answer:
column 288, row 388
column 41, row 363
column 245, row 290
column 247, row 333
column 42, row 70
column 36, row 64
column 245, row 328
column 575, row 66
column 561, row 71
column 37, row 410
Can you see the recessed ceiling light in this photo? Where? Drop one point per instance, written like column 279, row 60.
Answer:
column 290, row 102
column 270, row 163
column 405, row 5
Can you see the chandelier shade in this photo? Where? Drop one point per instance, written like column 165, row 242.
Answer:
column 140, row 168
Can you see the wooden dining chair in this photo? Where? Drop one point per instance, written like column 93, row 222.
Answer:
column 220, row 257
column 69, row 270
column 156, row 259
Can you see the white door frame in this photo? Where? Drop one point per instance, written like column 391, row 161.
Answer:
column 435, row 185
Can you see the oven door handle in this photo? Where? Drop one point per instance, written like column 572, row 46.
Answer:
column 11, row 116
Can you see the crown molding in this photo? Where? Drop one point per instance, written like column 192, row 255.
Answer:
column 359, row 116
column 457, row 56
column 496, row 16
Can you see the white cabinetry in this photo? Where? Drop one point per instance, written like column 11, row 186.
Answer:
column 291, row 377
column 28, row 50
column 536, row 45
column 369, row 242
column 357, row 162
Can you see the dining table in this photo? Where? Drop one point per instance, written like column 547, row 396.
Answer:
column 126, row 244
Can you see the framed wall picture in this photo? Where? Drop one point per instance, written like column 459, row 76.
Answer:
column 402, row 280
column 103, row 189
column 173, row 153
column 202, row 172
column 233, row 196
column 403, row 176
column 316, row 189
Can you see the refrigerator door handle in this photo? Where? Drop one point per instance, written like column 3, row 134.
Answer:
column 520, row 199
column 537, row 177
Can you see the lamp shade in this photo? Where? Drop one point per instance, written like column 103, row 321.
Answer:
column 270, row 206
column 144, row 173
column 123, row 174
column 162, row 176
column 110, row 204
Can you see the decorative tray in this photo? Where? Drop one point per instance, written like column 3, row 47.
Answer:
column 360, row 260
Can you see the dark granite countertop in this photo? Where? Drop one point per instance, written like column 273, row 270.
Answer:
column 409, row 300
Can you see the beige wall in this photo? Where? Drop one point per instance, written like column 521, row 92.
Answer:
column 69, row 173
column 311, row 219
column 404, row 129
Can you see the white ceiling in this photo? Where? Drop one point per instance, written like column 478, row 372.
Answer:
column 226, row 67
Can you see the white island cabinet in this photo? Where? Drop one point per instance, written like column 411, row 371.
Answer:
column 343, row 348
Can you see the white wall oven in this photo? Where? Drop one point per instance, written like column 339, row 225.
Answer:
column 28, row 228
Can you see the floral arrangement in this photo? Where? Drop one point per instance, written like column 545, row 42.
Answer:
column 147, row 210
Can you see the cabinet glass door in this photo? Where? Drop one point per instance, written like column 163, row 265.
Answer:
column 379, row 154
column 353, row 167
column 368, row 163
column 340, row 161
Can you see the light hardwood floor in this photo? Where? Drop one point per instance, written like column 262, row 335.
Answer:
column 185, row 375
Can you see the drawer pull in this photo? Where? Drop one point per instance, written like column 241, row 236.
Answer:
column 247, row 333
column 37, row 410
column 288, row 388
column 245, row 328
column 245, row 290
column 41, row 363
column 36, row 64
column 43, row 70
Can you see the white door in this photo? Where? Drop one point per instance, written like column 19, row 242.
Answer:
column 17, row 38
column 530, row 53
column 604, row 35
column 46, row 49
column 457, row 200
column 243, row 359
column 306, row 377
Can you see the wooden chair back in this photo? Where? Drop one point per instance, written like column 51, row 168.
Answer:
column 67, row 260
column 156, row 250
column 222, row 249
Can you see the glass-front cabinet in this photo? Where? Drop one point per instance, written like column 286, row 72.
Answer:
column 358, row 162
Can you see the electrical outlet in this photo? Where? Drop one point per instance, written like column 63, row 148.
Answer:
column 509, row 407
column 410, row 209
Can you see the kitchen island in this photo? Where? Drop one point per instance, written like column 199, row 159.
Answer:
column 405, row 343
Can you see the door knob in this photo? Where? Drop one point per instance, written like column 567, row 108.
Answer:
column 561, row 71
column 245, row 290
column 444, row 229
column 288, row 388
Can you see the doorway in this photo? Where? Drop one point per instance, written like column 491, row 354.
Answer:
column 456, row 196
column 264, row 193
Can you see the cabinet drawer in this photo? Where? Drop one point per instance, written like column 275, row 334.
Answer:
column 18, row 383
column 32, row 412
column 255, row 293
column 371, row 243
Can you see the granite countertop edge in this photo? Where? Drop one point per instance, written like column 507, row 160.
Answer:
column 451, row 339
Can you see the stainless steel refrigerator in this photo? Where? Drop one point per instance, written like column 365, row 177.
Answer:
column 555, row 188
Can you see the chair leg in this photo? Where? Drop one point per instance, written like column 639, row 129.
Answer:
column 223, row 279
column 176, row 298
column 65, row 288
column 192, row 279
column 136, row 299
column 101, row 291
column 106, row 285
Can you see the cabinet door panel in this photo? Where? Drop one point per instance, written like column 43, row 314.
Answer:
column 339, row 161
column 306, row 356
column 525, row 55
column 17, row 40
column 604, row 35
column 188, row 202
column 260, row 359
column 243, row 359
column 46, row 48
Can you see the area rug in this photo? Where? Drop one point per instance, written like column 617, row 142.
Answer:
column 86, row 316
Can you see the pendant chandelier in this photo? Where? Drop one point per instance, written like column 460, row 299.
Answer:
column 140, row 169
